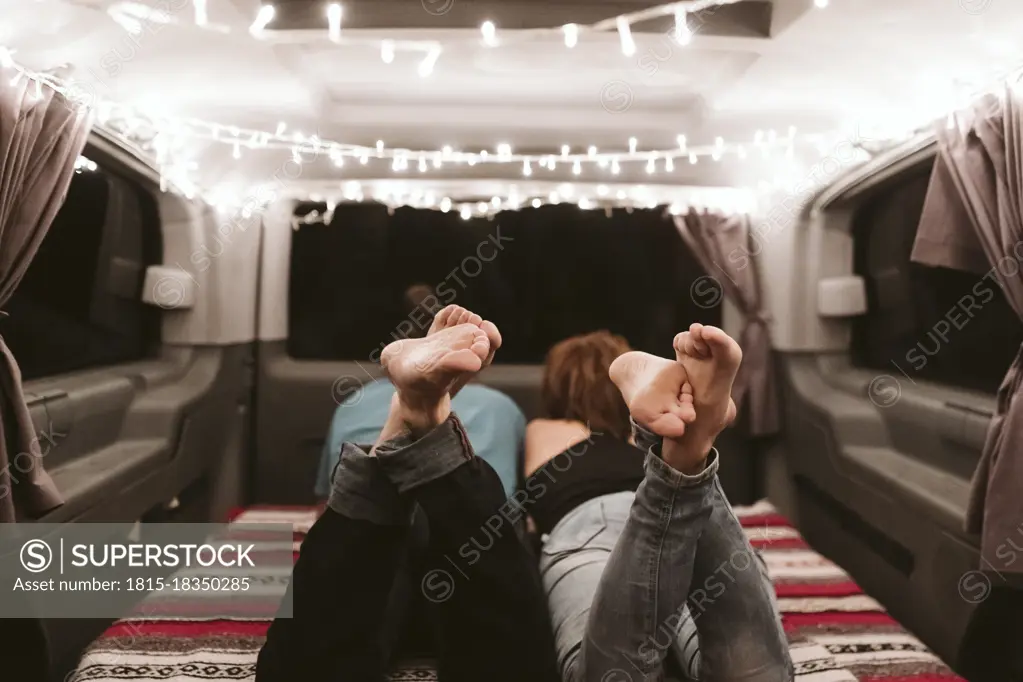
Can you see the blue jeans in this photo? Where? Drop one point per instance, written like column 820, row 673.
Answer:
column 632, row 577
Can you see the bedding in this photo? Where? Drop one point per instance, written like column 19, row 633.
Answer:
column 836, row 632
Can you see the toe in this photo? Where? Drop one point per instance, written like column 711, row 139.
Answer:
column 445, row 316
column 475, row 319
column 492, row 333
column 480, row 344
column 685, row 411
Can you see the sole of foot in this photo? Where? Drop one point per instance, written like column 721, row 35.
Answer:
column 656, row 391
column 454, row 315
column 711, row 359
column 424, row 370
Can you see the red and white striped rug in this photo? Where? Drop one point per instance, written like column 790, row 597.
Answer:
column 836, row 633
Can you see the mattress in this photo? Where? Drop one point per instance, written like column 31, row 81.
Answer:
column 836, row 632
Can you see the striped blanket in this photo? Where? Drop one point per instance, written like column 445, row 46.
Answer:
column 836, row 633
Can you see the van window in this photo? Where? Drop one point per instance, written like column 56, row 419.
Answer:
column 936, row 324
column 541, row 274
column 79, row 305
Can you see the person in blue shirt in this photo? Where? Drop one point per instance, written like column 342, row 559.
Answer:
column 494, row 423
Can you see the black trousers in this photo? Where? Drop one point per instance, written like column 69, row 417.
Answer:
column 490, row 612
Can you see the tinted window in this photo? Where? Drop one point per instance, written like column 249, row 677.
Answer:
column 79, row 304
column 931, row 323
column 541, row 274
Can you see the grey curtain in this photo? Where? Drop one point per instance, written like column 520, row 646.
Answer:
column 723, row 246
column 40, row 139
column 972, row 221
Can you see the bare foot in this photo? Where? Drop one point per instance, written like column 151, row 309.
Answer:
column 711, row 359
column 656, row 391
column 453, row 315
column 424, row 370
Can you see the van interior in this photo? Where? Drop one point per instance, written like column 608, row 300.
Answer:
column 256, row 186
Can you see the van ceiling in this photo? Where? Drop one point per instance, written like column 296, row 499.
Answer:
column 751, row 65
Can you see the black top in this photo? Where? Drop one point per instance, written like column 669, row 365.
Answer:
column 600, row 465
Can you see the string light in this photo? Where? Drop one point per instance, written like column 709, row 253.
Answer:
column 527, row 170
column 426, row 66
column 651, row 168
column 625, row 34
column 683, row 36
column 334, row 21
column 577, row 167
column 489, row 33
column 632, row 145
column 571, row 35
column 387, row 51
column 681, row 140
column 200, row 12
column 263, row 18
column 821, row 3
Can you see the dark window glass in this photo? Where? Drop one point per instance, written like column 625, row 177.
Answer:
column 937, row 324
column 79, row 304
column 541, row 275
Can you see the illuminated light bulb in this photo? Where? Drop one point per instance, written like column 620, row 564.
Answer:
column 422, row 164
column 481, row 207
column 281, row 127
column 551, row 163
column 495, row 202
column 527, row 170
column 650, row 167
column 625, row 34
column 445, row 204
column 681, row 139
column 380, row 146
column 396, row 164
column 200, row 12
column 565, row 150
column 719, row 142
column 620, row 194
column 571, row 34
column 429, row 61
column 602, row 190
column 716, row 155
column 553, row 198
column 437, row 161
column 669, row 164
column 565, row 190
column 683, row 36
column 692, row 158
column 577, row 167
column 429, row 199
column 465, row 212
column 263, row 17
column 446, row 151
column 535, row 203
column 339, row 160
column 584, row 203
column 632, row 145
column 820, row 3
column 591, row 151
column 602, row 162
column 387, row 51
column 471, row 161
column 504, row 149
column 364, row 159
column 489, row 33
column 334, row 21
column 615, row 168
column 483, row 154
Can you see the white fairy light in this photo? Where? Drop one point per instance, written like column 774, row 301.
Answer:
column 429, row 61
column 591, row 151
column 422, row 164
column 820, row 3
column 577, row 168
column 495, row 202
column 387, row 51
column 571, row 32
column 445, row 204
column 625, row 34
column 669, row 164
column 481, row 207
column 437, row 162
column 615, row 167
column 281, row 127
column 504, row 150
column 364, row 159
column 683, row 35
column 565, row 149
column 651, row 167
column 465, row 212
column 632, row 145
column 489, row 33
column 334, row 21
column 380, row 146
column 692, row 158
column 553, row 198
column 200, row 12
column 527, row 170
column 264, row 17
column 602, row 190
column 535, row 203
